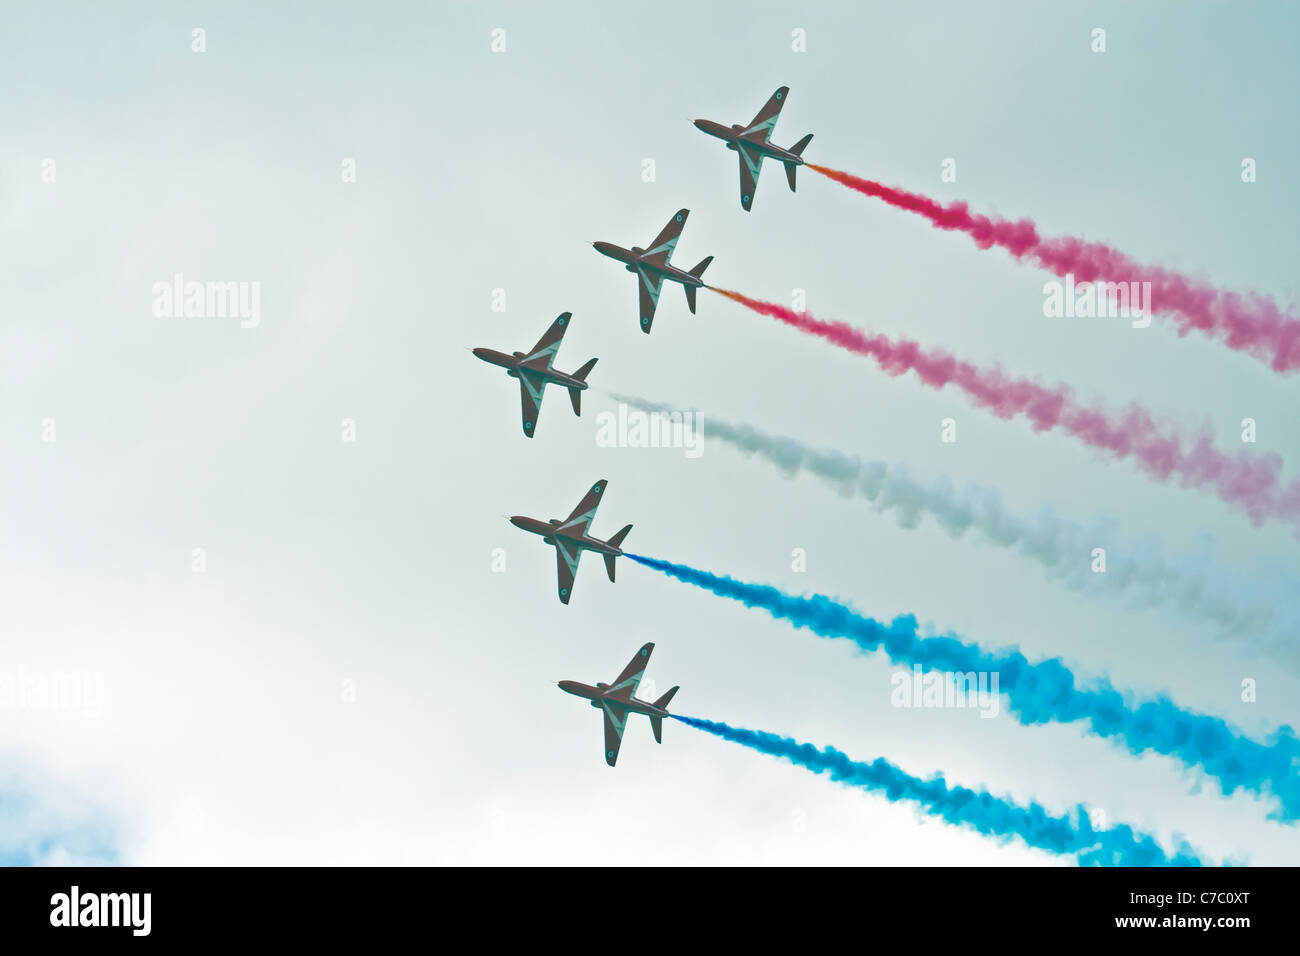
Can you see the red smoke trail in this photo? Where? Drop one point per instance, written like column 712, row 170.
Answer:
column 1247, row 322
column 1251, row 483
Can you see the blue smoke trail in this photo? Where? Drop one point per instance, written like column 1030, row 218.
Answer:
column 1041, row 692
column 980, row 810
column 1261, row 608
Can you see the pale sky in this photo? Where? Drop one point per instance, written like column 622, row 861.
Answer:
column 227, row 732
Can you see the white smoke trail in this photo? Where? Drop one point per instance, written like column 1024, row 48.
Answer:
column 1136, row 570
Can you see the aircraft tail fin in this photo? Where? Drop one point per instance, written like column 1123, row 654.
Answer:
column 617, row 542
column 690, row 289
column 797, row 149
column 657, row 723
column 575, row 394
column 663, row 701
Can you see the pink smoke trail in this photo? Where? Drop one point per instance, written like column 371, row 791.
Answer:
column 1251, row 483
column 1247, row 322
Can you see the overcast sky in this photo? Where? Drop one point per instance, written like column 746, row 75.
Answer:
column 294, row 648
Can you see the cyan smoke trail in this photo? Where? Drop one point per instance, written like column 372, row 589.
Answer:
column 978, row 809
column 1061, row 547
column 1041, row 692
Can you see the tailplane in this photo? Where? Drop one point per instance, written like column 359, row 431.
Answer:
column 575, row 394
column 662, row 702
column 690, row 289
column 615, row 541
column 797, row 149
column 657, row 723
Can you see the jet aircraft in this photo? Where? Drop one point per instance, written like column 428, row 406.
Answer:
column 536, row 370
column 652, row 267
column 570, row 538
column 753, row 144
column 618, row 700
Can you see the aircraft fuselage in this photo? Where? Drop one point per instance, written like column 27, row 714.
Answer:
column 599, row 693
column 734, row 136
column 512, row 364
column 551, row 530
column 635, row 258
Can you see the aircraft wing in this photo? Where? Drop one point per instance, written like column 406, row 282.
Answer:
column 626, row 683
column 531, row 390
column 661, row 247
column 543, row 353
column 751, row 164
column 614, row 724
column 650, row 283
column 763, row 124
column 580, row 518
column 566, row 567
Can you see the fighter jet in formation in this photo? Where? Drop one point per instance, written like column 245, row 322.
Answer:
column 753, row 144
column 652, row 267
column 570, row 538
column 536, row 370
column 618, row 700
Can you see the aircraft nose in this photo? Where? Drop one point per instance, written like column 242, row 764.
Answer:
column 479, row 353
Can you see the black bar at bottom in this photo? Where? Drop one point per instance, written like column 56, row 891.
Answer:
column 373, row 905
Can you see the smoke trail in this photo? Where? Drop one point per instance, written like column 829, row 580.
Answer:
column 979, row 810
column 1251, row 483
column 1061, row 547
column 1249, row 322
column 1042, row 692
